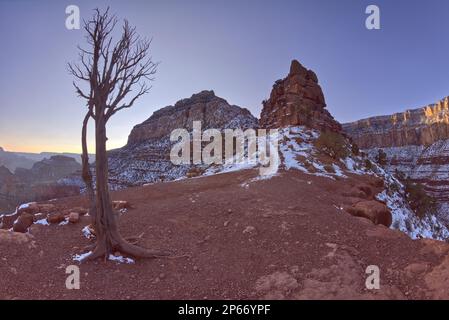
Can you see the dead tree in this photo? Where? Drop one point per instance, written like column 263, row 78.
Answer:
column 116, row 75
column 86, row 172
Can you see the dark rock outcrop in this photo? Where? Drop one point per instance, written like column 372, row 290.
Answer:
column 297, row 100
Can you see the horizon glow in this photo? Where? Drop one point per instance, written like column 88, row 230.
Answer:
column 238, row 49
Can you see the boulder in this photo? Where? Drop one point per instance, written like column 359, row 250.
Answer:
column 47, row 208
column 120, row 204
column 81, row 211
column 362, row 191
column 74, row 217
column 55, row 217
column 15, row 237
column 31, row 208
column 22, row 223
column 373, row 210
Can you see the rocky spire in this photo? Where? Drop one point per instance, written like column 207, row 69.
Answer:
column 297, row 100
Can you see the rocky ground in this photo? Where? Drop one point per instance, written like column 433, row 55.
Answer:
column 283, row 238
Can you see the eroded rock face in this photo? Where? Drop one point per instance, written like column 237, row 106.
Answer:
column 212, row 111
column 146, row 157
column 297, row 100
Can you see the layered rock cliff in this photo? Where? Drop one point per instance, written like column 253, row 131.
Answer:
column 146, row 157
column 416, row 143
column 421, row 127
column 297, row 100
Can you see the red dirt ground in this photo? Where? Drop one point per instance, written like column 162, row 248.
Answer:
column 282, row 238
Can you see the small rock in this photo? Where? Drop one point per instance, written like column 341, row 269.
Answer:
column 30, row 208
column 55, row 217
column 119, row 205
column 74, row 217
column 226, row 223
column 81, row 211
column 47, row 208
column 249, row 229
column 23, row 222
column 195, row 268
column 229, row 211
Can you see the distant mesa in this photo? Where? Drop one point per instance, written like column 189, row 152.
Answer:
column 40, row 182
column 48, row 170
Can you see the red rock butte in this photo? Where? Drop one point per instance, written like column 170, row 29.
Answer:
column 297, row 100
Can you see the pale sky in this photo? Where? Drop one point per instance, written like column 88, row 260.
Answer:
column 236, row 48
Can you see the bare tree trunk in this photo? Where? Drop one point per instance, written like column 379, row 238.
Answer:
column 108, row 236
column 86, row 173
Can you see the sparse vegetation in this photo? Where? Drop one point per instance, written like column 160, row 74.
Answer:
column 419, row 200
column 368, row 164
column 355, row 149
column 381, row 157
column 400, row 175
column 332, row 144
column 329, row 168
column 309, row 166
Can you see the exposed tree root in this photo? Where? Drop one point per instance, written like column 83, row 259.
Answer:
column 130, row 249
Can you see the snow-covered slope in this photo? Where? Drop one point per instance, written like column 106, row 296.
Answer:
column 299, row 153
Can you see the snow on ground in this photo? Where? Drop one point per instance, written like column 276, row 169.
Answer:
column 404, row 219
column 299, row 153
column 81, row 257
column 86, row 233
column 118, row 259
column 63, row 223
column 43, row 222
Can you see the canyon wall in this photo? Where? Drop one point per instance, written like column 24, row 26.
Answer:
column 416, row 143
column 422, row 126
